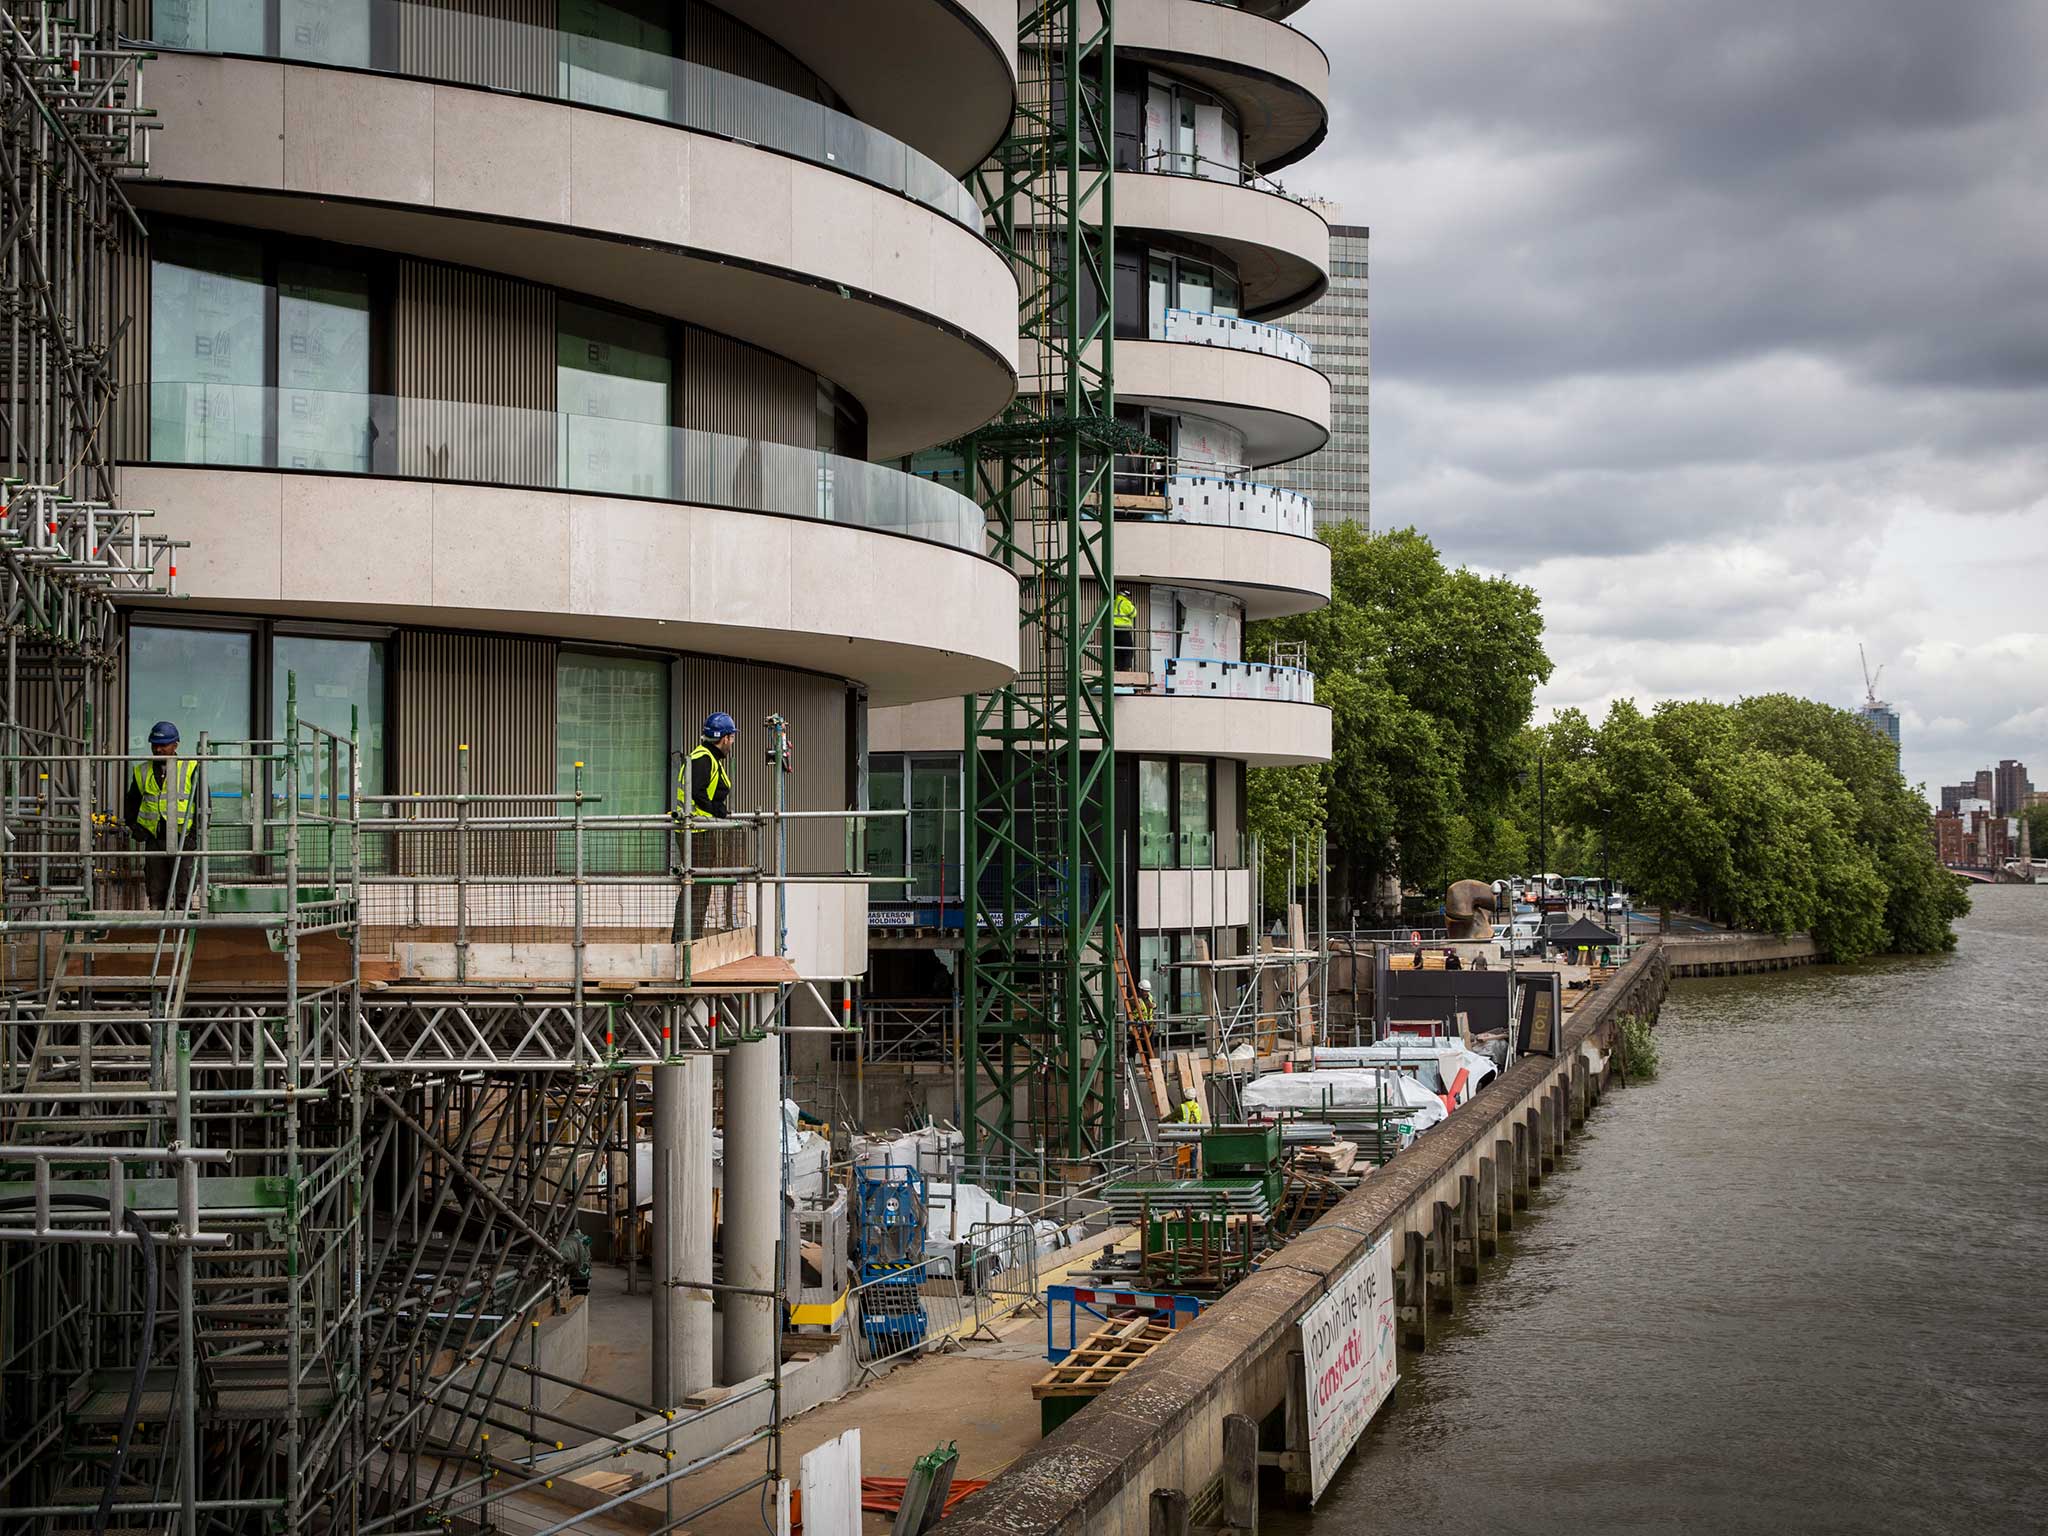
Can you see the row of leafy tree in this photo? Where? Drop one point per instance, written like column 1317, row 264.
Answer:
column 1774, row 813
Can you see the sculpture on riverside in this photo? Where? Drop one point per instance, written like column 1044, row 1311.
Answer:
column 1464, row 903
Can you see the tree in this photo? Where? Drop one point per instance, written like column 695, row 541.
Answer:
column 1429, row 674
column 2037, row 830
column 1774, row 813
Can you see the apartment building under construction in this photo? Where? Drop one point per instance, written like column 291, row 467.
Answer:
column 436, row 411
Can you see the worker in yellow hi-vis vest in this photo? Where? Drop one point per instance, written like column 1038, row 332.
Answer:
column 1124, row 625
column 704, row 794
column 160, row 809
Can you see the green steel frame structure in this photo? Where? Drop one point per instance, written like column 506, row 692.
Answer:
column 1041, row 1031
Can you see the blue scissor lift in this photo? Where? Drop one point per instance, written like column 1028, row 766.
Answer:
column 890, row 1204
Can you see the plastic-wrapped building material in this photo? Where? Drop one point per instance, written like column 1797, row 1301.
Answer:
column 1341, row 1093
column 935, row 1151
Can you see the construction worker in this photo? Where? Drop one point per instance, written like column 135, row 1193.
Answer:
column 1124, row 623
column 704, row 793
column 1190, row 1109
column 147, row 812
column 1147, row 1011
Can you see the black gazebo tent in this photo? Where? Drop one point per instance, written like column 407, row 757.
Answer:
column 1584, row 934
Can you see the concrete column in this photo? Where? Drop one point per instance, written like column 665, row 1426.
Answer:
column 1465, row 1232
column 1546, row 1132
column 682, row 1229
column 1411, row 1292
column 1582, row 1097
column 1518, row 1185
column 1561, row 1112
column 1443, row 1293
column 752, row 1201
column 1490, row 1204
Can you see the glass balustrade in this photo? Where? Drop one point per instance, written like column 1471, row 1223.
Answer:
column 465, row 48
column 262, row 427
column 1202, row 328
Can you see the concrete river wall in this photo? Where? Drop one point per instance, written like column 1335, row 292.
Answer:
column 1738, row 954
column 1444, row 1201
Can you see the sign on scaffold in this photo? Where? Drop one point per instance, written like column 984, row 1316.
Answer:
column 1347, row 1350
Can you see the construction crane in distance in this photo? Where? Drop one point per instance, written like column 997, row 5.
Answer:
column 1870, row 678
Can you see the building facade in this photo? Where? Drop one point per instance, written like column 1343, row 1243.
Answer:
column 1212, row 262
column 1882, row 720
column 2010, row 787
column 1337, row 478
column 518, row 379
column 2005, row 790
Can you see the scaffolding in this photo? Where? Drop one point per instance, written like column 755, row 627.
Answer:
column 1041, row 1015
column 71, row 123
column 289, row 1199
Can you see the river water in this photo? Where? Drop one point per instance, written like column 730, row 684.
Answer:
column 1798, row 1283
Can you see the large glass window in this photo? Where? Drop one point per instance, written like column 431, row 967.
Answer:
column 1155, row 816
column 1197, row 840
column 209, row 26
column 612, row 385
column 887, row 835
column 935, row 828
column 340, row 682
column 925, row 845
column 616, row 56
column 1182, row 282
column 201, row 680
column 209, row 350
column 255, row 365
column 323, row 367
column 1189, row 132
column 1158, row 295
column 611, row 715
column 322, row 31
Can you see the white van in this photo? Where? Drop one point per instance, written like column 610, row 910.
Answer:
column 1521, row 937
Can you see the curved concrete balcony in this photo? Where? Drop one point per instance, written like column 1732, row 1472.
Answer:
column 785, row 590
column 1265, row 733
column 882, row 56
column 1282, row 406
column 1272, row 574
column 1276, row 78
column 1281, row 247
column 894, row 300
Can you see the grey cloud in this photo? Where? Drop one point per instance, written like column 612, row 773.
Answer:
column 1724, row 322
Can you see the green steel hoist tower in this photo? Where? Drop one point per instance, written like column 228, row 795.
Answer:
column 1041, row 1034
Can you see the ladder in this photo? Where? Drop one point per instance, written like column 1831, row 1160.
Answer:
column 1142, row 1067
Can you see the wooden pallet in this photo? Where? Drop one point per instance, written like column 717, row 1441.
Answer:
column 1101, row 1358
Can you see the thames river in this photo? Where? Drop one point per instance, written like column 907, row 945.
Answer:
column 1798, row 1283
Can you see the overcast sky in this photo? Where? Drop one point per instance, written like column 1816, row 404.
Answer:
column 1723, row 323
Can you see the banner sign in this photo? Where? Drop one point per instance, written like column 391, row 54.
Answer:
column 1542, row 1011
column 1347, row 1351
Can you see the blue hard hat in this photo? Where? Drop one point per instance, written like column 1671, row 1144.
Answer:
column 163, row 733
column 718, row 724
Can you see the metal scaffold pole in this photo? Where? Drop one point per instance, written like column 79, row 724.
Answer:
column 1040, row 1002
